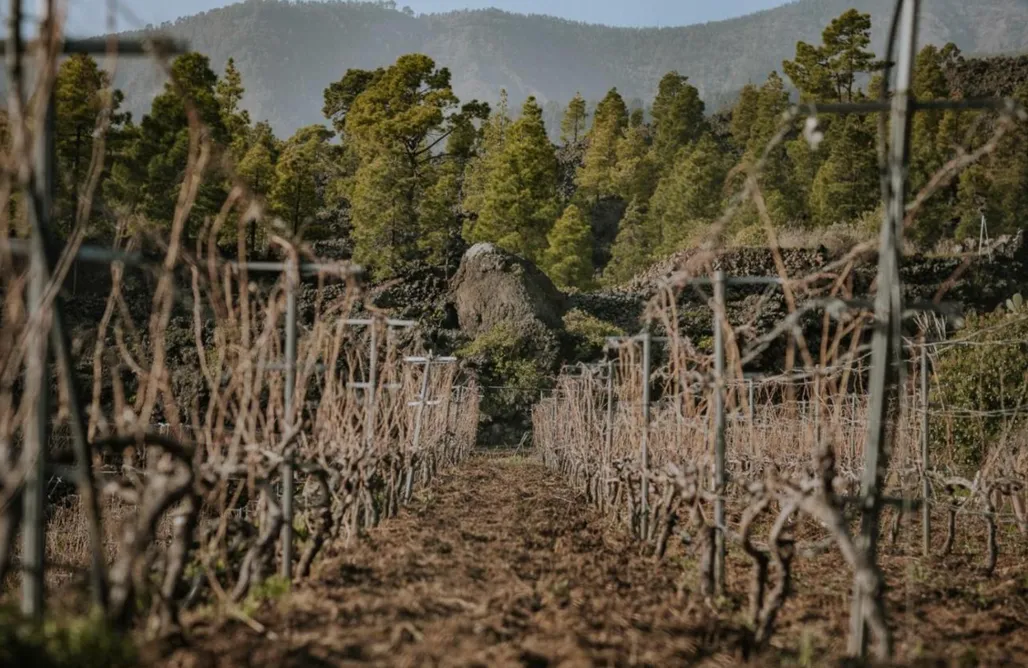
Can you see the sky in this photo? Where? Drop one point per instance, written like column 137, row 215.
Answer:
column 88, row 16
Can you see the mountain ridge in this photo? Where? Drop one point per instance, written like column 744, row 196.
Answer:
column 289, row 52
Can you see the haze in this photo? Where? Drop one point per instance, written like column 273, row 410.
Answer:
column 89, row 16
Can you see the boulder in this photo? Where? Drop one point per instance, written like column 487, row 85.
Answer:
column 493, row 286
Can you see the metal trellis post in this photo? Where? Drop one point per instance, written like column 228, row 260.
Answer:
column 719, row 431
column 608, row 435
column 887, row 340
column 292, row 278
column 43, row 253
column 644, row 454
column 421, row 403
column 926, row 512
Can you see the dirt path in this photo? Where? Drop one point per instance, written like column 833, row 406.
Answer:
column 500, row 564
column 497, row 564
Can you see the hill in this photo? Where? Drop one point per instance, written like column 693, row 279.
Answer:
column 289, row 52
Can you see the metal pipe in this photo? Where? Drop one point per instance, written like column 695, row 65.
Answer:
column 423, row 399
column 369, row 396
column 887, row 339
column 290, row 387
column 719, row 430
column 644, row 453
column 926, row 515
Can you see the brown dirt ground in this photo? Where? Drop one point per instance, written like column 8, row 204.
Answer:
column 500, row 564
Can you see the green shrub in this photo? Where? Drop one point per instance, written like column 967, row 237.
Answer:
column 586, row 335
column 979, row 384
column 514, row 361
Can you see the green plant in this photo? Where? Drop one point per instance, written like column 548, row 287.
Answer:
column 81, row 642
column 977, row 384
column 586, row 335
column 514, row 361
column 270, row 589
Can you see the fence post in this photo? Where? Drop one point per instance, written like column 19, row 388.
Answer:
column 38, row 425
column 719, row 432
column 886, row 344
column 644, row 443
column 608, row 436
column 408, row 487
column 752, row 401
column 926, row 513
column 292, row 279
column 369, row 395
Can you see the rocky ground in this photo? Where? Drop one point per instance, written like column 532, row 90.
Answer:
column 501, row 564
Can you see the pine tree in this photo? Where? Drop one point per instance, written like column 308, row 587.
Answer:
column 568, row 257
column 678, row 119
column 229, row 93
column 82, row 92
column 847, row 184
column 926, row 158
column 299, row 189
column 488, row 160
column 744, row 115
column 156, row 163
column 997, row 188
column 396, row 119
column 611, row 109
column 385, row 232
column 257, row 168
column 572, row 127
column 785, row 201
column 772, row 102
column 635, row 172
column 439, row 224
column 517, row 202
column 633, row 250
column 846, row 41
column 830, row 71
column 690, row 196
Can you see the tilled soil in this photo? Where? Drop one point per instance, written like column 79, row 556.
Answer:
column 500, row 564
column 497, row 564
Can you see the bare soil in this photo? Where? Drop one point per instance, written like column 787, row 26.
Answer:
column 500, row 564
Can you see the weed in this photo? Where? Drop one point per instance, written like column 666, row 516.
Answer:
column 271, row 589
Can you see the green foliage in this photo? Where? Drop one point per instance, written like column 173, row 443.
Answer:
column 299, row 184
column 847, row 184
column 82, row 93
column 636, row 167
column 272, row 588
column 634, row 247
column 396, row 120
column 229, row 93
column 997, row 187
column 568, row 257
column 514, row 360
column 257, row 168
column 81, row 642
column 597, row 177
column 587, row 335
column 677, row 117
column 830, row 71
column 572, row 126
column 160, row 151
column 689, row 198
column 744, row 115
column 514, row 193
column 983, row 381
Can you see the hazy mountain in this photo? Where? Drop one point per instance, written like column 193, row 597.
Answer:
column 289, row 52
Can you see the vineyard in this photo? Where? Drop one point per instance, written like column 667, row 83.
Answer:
column 232, row 456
